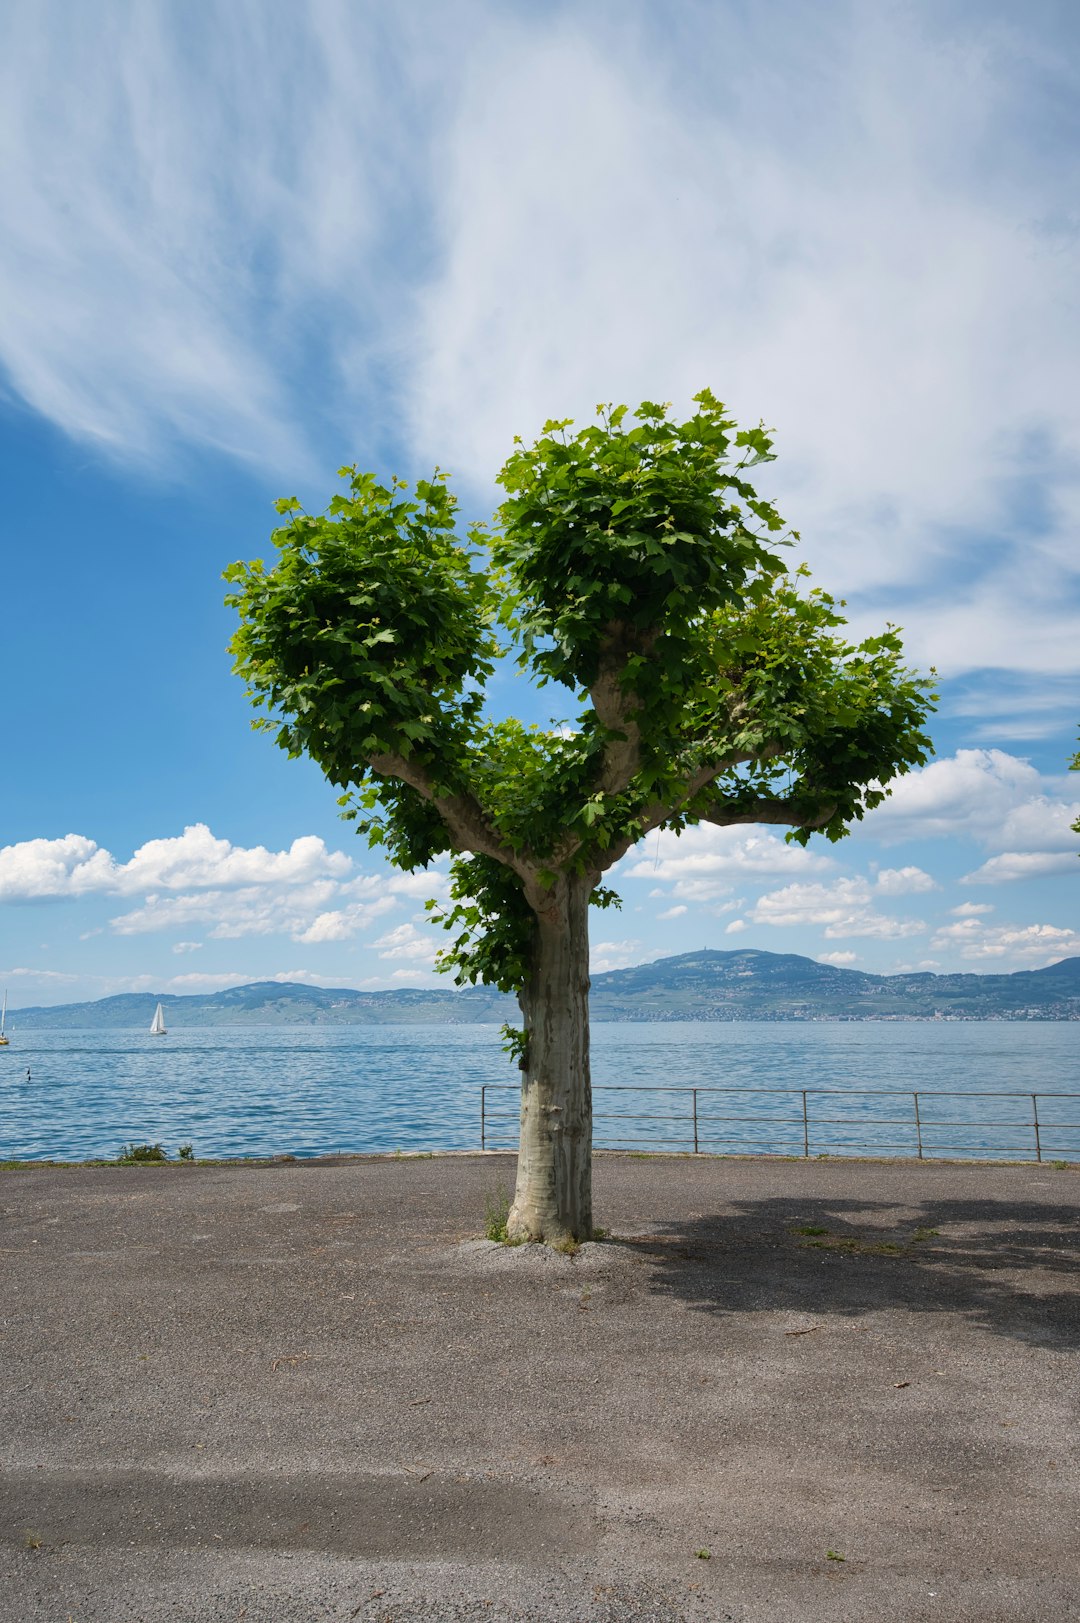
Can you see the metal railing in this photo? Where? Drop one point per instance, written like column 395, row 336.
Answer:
column 699, row 1129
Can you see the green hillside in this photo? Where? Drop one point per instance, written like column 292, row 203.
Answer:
column 702, row 985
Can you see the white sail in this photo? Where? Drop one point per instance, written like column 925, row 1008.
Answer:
column 157, row 1026
column 3, row 1019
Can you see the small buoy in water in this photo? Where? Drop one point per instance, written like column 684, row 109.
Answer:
column 28, row 1073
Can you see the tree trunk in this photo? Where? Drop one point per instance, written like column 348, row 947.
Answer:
column 553, row 1197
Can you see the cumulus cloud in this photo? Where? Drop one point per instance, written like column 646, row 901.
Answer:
column 844, row 907
column 673, row 912
column 840, row 959
column 74, row 865
column 1029, row 946
column 697, row 860
column 986, row 795
column 299, row 912
column 406, row 941
column 197, row 881
column 903, row 881
column 605, row 955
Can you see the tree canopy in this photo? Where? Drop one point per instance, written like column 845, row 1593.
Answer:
column 633, row 564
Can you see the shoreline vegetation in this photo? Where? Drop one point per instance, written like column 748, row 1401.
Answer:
column 346, row 1157
column 706, row 986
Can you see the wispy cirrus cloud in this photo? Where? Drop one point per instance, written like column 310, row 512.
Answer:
column 854, row 225
column 205, row 206
column 854, row 222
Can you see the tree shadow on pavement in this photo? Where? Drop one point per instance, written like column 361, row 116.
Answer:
column 1012, row 1268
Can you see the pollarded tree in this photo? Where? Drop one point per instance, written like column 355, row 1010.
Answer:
column 635, row 565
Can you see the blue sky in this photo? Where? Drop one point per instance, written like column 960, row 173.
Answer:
column 248, row 242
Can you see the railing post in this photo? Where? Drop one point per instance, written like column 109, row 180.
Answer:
column 483, row 1116
column 1035, row 1120
column 805, row 1129
column 694, row 1092
column 918, row 1124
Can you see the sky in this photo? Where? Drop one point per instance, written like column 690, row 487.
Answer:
column 248, row 241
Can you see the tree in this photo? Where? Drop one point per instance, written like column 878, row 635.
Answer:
column 1074, row 766
column 633, row 564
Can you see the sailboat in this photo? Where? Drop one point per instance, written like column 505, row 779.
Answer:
column 157, row 1025
column 4, row 1041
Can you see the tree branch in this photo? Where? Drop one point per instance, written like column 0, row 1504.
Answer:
column 762, row 809
column 464, row 817
column 767, row 810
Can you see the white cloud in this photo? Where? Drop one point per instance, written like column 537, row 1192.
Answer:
column 986, row 795
column 903, row 881
column 34, row 869
column 1013, row 865
column 160, row 289
column 855, row 222
column 694, row 860
column 605, row 955
column 755, row 204
column 840, row 959
column 406, row 941
column 736, row 927
column 843, row 907
column 22, row 973
column 187, row 946
column 1027, row 946
column 75, row 866
column 968, row 910
column 300, row 912
column 673, row 913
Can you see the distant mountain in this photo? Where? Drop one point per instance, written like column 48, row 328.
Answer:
column 693, row 986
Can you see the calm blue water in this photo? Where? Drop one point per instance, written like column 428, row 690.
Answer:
column 309, row 1092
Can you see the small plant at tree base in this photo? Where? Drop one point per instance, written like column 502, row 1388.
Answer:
column 186, row 1152
column 703, row 1555
column 496, row 1213
column 632, row 563
column 834, row 1555
column 131, row 1154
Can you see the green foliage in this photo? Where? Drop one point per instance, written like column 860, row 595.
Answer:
column 186, row 1152
column 497, row 1215
column 515, row 1043
column 371, row 633
column 133, row 1154
column 1074, row 766
column 644, row 527
column 633, row 563
column 494, row 925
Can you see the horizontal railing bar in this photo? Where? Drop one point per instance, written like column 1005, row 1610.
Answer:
column 935, row 1093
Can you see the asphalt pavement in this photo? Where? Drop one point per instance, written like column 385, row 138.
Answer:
column 782, row 1392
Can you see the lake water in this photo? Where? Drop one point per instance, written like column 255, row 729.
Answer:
column 361, row 1088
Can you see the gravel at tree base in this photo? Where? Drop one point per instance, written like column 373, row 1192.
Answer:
column 300, row 1391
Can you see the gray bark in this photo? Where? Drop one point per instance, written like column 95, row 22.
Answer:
column 553, row 1196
